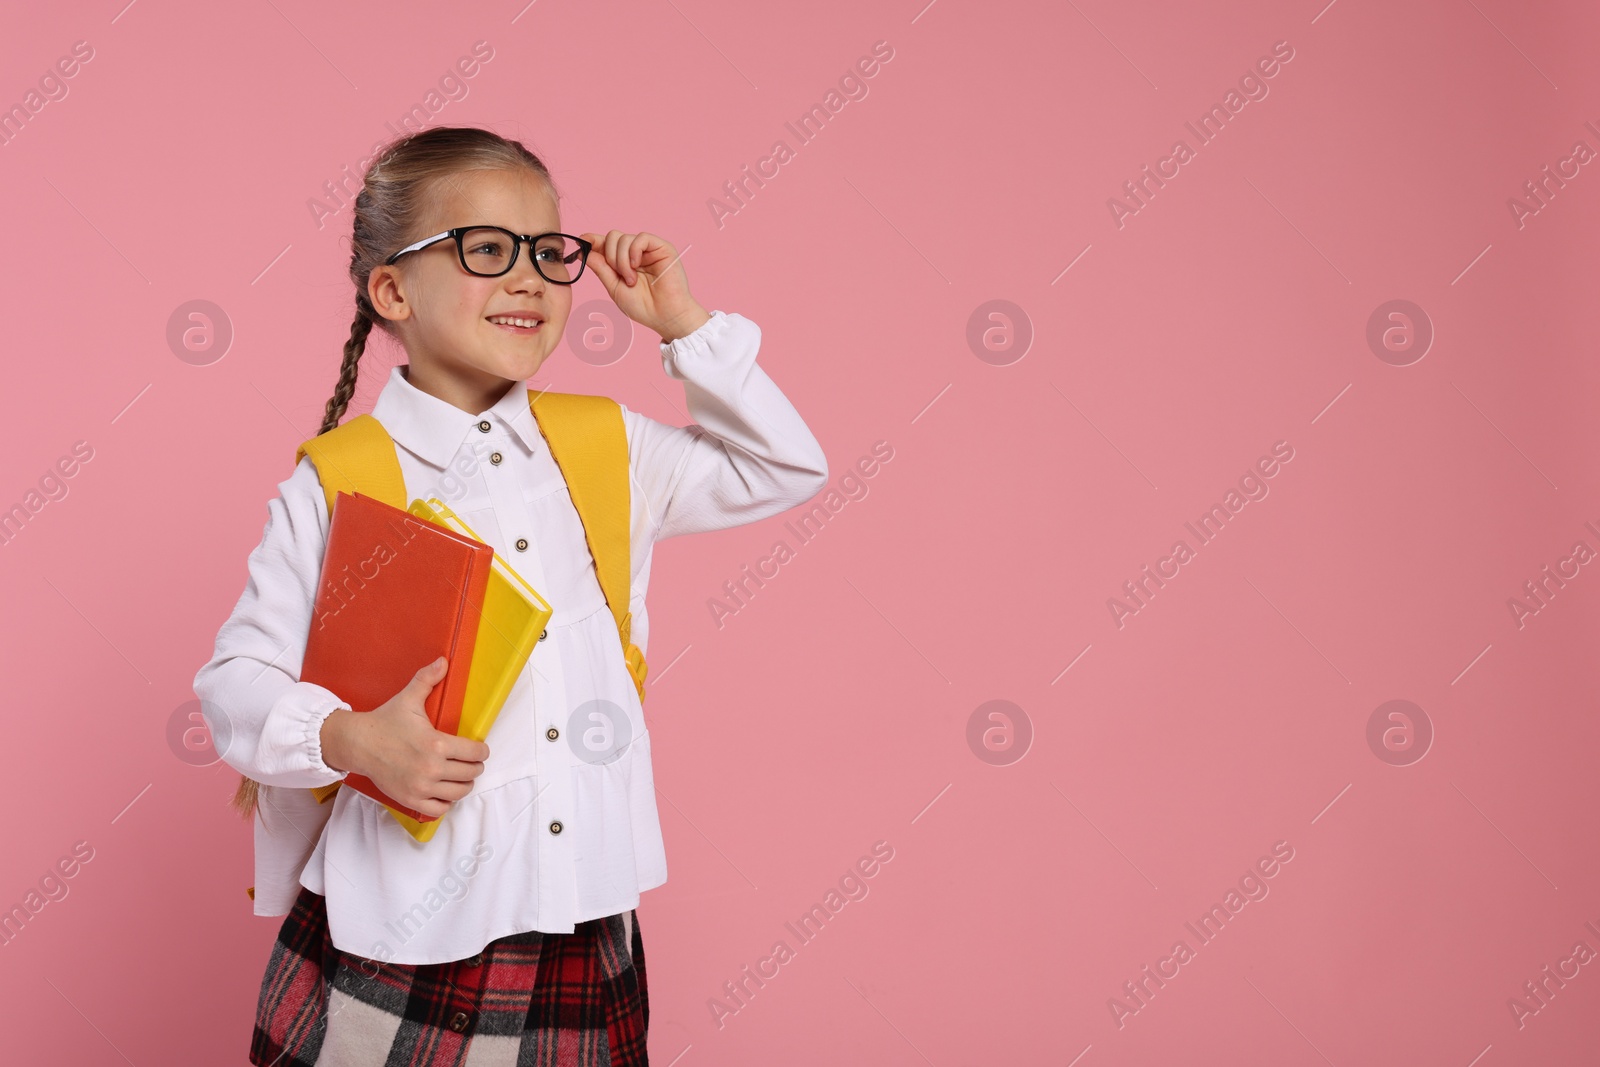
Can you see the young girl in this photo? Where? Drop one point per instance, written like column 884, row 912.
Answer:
column 511, row 936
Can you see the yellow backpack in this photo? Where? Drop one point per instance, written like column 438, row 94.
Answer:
column 589, row 443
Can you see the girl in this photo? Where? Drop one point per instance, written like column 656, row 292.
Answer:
column 511, row 936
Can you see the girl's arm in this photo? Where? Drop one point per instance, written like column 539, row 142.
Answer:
column 265, row 722
column 748, row 454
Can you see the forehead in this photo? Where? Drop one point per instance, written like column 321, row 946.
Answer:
column 519, row 200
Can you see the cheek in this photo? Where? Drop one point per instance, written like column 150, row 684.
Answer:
column 472, row 298
column 558, row 302
column 444, row 293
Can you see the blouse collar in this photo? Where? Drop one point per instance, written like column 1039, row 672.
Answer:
column 435, row 429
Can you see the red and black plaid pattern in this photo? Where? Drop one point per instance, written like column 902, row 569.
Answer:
column 547, row 1000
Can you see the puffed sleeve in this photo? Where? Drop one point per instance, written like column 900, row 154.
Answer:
column 265, row 722
column 748, row 454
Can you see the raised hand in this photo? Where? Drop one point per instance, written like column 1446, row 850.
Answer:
column 646, row 278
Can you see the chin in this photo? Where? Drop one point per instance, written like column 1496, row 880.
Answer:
column 529, row 367
column 526, row 374
column 515, row 368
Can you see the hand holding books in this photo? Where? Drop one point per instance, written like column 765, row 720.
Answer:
column 398, row 748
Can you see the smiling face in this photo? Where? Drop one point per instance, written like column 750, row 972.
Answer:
column 442, row 313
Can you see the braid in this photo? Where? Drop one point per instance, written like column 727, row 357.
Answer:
column 359, row 329
column 244, row 797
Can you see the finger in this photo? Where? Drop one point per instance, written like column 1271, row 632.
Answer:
column 628, row 259
column 648, row 248
column 597, row 263
column 424, row 680
column 597, row 244
column 613, row 258
column 458, row 771
column 451, row 791
column 463, row 752
column 656, row 256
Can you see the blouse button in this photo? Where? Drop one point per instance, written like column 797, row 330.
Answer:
column 552, row 733
column 555, row 827
column 459, row 1021
column 543, row 634
column 475, row 961
column 484, row 425
column 522, row 544
column 495, row 458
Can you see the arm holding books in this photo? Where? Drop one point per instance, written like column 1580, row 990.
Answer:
column 281, row 731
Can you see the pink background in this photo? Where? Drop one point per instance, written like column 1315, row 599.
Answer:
column 833, row 711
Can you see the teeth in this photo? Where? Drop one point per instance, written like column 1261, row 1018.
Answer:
column 506, row 319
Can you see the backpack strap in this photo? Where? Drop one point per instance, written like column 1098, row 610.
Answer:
column 589, row 442
column 357, row 456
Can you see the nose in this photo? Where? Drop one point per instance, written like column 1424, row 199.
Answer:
column 524, row 274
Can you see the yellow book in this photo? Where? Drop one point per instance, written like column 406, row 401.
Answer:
column 514, row 616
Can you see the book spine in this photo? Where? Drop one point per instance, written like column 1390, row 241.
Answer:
column 453, row 691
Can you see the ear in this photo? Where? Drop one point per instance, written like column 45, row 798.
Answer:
column 386, row 290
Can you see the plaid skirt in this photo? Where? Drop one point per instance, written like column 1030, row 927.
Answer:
column 545, row 1000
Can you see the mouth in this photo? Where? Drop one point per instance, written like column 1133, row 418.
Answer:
column 524, row 324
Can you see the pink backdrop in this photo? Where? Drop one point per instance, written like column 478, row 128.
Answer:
column 943, row 274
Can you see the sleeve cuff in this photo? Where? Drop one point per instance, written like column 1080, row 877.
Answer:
column 297, row 718
column 697, row 343
column 319, row 714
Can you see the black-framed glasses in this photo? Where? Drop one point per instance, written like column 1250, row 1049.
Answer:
column 490, row 251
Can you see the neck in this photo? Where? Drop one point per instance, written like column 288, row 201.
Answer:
column 472, row 396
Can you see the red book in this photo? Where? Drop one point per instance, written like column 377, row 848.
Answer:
column 396, row 593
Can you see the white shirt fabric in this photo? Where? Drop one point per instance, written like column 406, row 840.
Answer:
column 495, row 867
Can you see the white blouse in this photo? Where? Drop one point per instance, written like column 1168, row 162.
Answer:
column 555, row 831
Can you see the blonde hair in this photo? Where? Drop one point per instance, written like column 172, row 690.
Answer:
column 396, row 192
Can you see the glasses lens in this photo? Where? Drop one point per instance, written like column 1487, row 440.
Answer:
column 559, row 258
column 486, row 250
